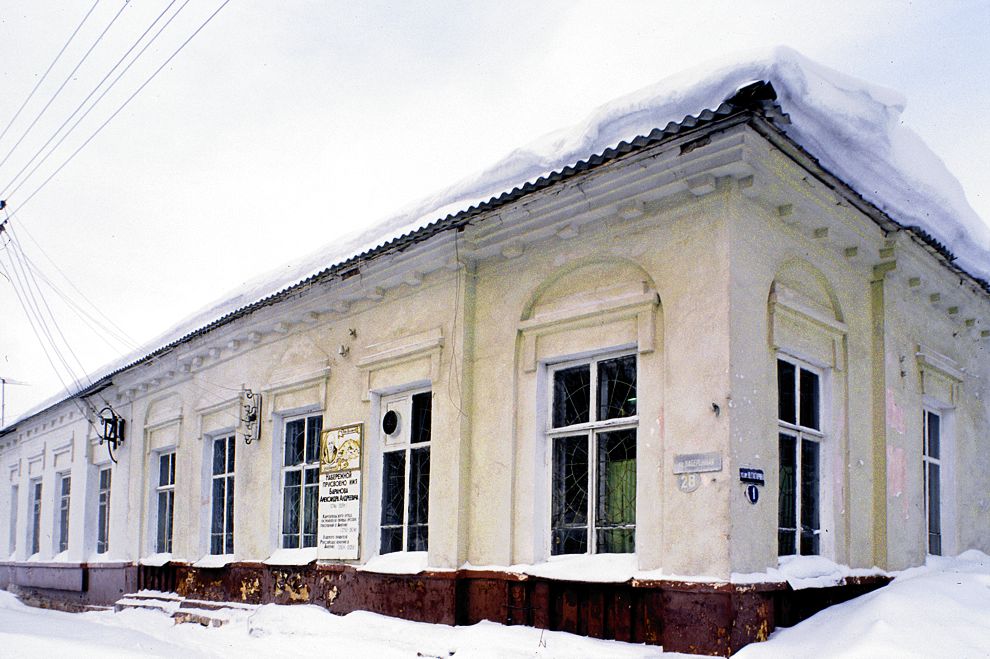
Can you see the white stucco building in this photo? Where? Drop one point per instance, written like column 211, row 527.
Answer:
column 674, row 362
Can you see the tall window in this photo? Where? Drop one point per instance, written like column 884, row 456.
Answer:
column 799, row 441
column 166, row 501
column 64, row 487
column 932, row 465
column 35, row 516
column 12, row 535
column 593, row 419
column 103, row 522
column 407, row 425
column 222, row 519
column 301, row 481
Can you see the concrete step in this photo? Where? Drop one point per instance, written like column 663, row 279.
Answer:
column 182, row 610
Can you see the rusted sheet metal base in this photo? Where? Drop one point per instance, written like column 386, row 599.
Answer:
column 701, row 618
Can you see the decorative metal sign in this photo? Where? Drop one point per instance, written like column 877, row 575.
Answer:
column 250, row 415
column 750, row 475
column 339, row 524
column 697, row 463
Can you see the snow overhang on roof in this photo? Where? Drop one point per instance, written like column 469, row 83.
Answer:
column 849, row 130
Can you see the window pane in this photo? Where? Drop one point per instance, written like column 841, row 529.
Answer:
column 419, row 499
column 393, row 497
column 66, row 484
column 163, row 469
column 219, row 504
column 314, row 425
column 391, row 539
column 571, row 396
column 570, row 495
column 934, row 510
column 162, row 521
column 219, row 456
column 616, row 506
column 294, row 439
column 228, row 528
column 231, row 444
column 809, row 497
column 421, row 413
column 393, row 487
column 787, row 497
column 311, row 507
column 617, row 388
column 809, row 400
column 934, row 435
column 290, row 510
column 786, row 387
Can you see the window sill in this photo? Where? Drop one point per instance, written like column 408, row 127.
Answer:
column 214, row 561
column 398, row 562
column 291, row 556
column 604, row 568
column 156, row 560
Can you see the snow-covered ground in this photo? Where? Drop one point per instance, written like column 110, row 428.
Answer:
column 939, row 610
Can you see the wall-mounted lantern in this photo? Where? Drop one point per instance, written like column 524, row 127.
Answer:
column 111, row 430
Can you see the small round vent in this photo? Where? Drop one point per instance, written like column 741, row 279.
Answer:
column 390, row 422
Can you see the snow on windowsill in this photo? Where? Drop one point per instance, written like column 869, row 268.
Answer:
column 215, row 560
column 291, row 556
column 399, row 562
column 156, row 560
column 802, row 572
column 599, row 568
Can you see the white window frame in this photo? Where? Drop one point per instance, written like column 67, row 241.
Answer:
column 389, row 445
column 301, row 467
column 36, row 492
column 800, row 433
column 62, row 510
column 167, row 490
column 103, row 509
column 947, row 477
column 14, row 503
column 228, row 475
column 591, row 429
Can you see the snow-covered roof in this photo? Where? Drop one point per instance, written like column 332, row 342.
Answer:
column 852, row 127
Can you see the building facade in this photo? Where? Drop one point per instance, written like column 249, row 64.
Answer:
column 691, row 355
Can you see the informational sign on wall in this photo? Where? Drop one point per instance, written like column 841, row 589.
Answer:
column 339, row 524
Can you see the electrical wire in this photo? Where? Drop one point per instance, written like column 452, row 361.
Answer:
column 47, row 71
column 33, row 309
column 27, row 199
column 68, row 279
column 89, row 96
column 34, row 282
column 64, row 83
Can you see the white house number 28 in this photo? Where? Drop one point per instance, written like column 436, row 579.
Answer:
column 688, row 482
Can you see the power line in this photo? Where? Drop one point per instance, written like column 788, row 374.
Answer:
column 48, row 70
column 89, row 96
column 68, row 279
column 64, row 83
column 33, row 281
column 123, row 105
column 117, row 334
column 33, row 309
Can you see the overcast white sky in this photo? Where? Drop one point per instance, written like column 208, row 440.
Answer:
column 284, row 125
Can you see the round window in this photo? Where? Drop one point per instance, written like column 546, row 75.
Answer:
column 390, row 422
